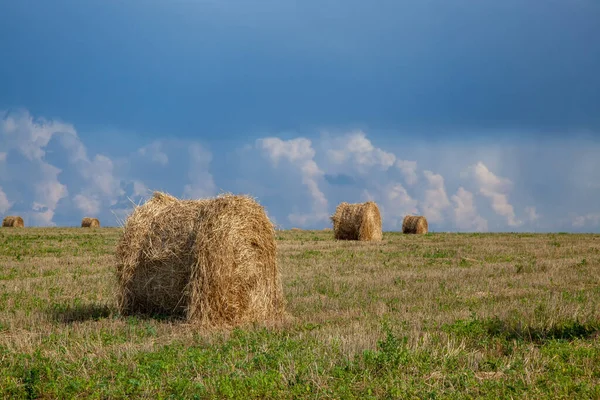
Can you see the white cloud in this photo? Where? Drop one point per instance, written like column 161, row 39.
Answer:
column 140, row 189
column 436, row 200
column 532, row 214
column 355, row 149
column 465, row 212
column 89, row 205
column 592, row 219
column 42, row 217
column 29, row 136
column 155, row 152
column 409, row 170
column 50, row 191
column 394, row 203
column 299, row 152
column 100, row 185
column 201, row 181
column 21, row 133
column 97, row 185
column 5, row 205
column 294, row 150
column 496, row 189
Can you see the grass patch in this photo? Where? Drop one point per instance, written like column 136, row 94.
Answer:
column 429, row 316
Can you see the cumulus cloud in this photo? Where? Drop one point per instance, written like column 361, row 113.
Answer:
column 29, row 145
column 409, row 170
column 5, row 205
column 465, row 212
column 590, row 219
column 154, row 151
column 394, row 203
column 20, row 133
column 140, row 189
column 100, row 186
column 496, row 189
column 300, row 153
column 436, row 200
column 201, row 181
column 532, row 214
column 52, row 174
column 89, row 205
column 354, row 148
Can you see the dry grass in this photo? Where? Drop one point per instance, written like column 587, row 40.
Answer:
column 361, row 221
column 443, row 315
column 88, row 222
column 12, row 221
column 212, row 261
column 415, row 224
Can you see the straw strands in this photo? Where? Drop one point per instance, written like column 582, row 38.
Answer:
column 88, row 222
column 212, row 261
column 414, row 224
column 361, row 221
column 13, row 221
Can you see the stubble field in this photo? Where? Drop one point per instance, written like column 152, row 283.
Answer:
column 432, row 316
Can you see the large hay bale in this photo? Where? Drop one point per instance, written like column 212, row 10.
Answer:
column 13, row 221
column 414, row 224
column 88, row 222
column 361, row 221
column 212, row 261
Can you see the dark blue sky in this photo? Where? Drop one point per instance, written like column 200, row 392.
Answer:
column 229, row 69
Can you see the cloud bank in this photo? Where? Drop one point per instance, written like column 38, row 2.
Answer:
column 50, row 177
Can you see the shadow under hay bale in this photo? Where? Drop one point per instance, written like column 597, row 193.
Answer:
column 212, row 261
column 361, row 221
column 79, row 313
column 88, row 222
column 13, row 222
column 414, row 224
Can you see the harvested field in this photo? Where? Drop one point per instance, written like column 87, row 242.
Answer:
column 435, row 315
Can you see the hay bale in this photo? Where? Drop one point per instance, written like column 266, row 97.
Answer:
column 88, row 222
column 296, row 230
column 360, row 221
column 414, row 224
column 212, row 261
column 13, row 221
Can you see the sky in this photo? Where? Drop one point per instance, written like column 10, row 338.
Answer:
column 483, row 116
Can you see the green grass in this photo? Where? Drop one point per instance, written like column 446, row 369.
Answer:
column 433, row 316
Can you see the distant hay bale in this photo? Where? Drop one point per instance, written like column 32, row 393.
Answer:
column 88, row 222
column 361, row 221
column 296, row 230
column 327, row 229
column 211, row 261
column 13, row 221
column 414, row 224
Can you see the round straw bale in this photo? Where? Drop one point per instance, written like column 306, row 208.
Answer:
column 361, row 221
column 296, row 230
column 211, row 261
column 13, row 221
column 414, row 224
column 88, row 222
